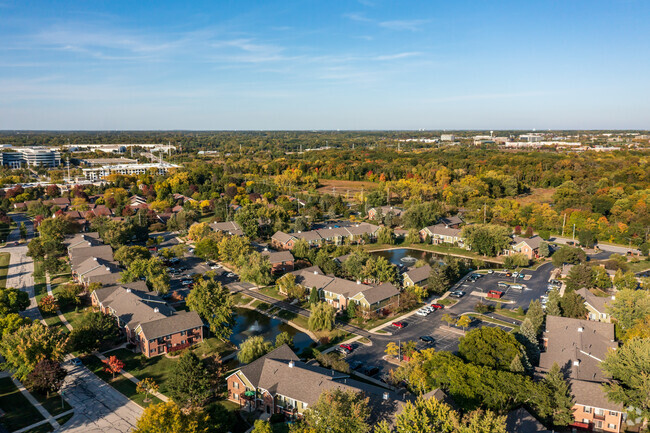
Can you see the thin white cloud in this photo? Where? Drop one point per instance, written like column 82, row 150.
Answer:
column 408, row 25
column 354, row 16
column 397, row 56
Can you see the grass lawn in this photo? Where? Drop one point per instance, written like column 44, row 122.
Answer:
column 241, row 299
column 121, row 383
column 213, row 345
column 272, row 291
column 4, row 268
column 65, row 418
column 640, row 266
column 260, row 305
column 5, row 229
column 293, row 317
column 513, row 314
column 441, row 249
column 53, row 403
column 495, row 321
column 19, row 413
column 447, row 302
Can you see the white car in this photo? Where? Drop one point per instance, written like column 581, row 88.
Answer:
column 186, row 282
column 215, row 267
column 490, row 271
column 422, row 313
column 230, row 275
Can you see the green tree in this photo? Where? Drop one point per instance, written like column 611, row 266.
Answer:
column 168, row 418
column 629, row 367
column 12, row 300
column 94, row 329
column 527, row 336
column 517, row 260
column 426, row 416
column 421, row 215
column 262, row 426
column 479, row 421
column 448, row 319
column 568, row 255
column 213, row 303
column 252, row 348
column 322, row 317
column 573, row 305
column 283, row 338
column 630, row 307
column 413, row 237
column 153, row 270
column 544, row 250
column 601, row 278
column 556, row 401
column 199, row 231
column 29, row 345
column 255, row 268
column 300, row 249
column 464, row 321
column 127, row 254
column 313, row 297
column 553, row 304
column 146, row 386
column 386, row 236
column 587, row 238
column 11, row 322
column 23, row 231
column 248, row 219
column 625, row 281
column 581, row 276
column 486, row 239
column 338, row 411
column 489, row 346
column 188, row 383
column 535, row 314
column 438, row 281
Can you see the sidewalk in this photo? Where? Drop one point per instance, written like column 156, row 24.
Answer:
column 58, row 312
column 132, row 378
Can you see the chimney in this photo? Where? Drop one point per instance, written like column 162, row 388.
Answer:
column 95, row 258
column 576, row 363
column 156, row 310
column 385, row 396
column 108, row 269
column 291, row 364
column 128, row 290
column 315, row 272
column 581, row 329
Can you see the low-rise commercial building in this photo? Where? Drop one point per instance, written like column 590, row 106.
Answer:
column 97, row 173
column 31, row 157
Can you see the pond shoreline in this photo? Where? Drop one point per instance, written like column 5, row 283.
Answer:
column 285, row 321
column 424, row 250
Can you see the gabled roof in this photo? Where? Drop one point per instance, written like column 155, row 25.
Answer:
column 598, row 303
column 229, row 226
column 521, row 421
column 533, row 242
column 282, row 237
column 80, row 254
column 592, row 394
column 281, row 372
column 442, row 230
column 180, row 321
column 133, row 307
column 451, row 220
column 418, row 274
column 577, row 345
column 93, row 266
column 278, row 256
column 80, row 237
column 379, row 293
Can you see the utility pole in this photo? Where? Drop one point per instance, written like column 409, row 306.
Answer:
column 563, row 224
column 574, row 233
column 484, row 213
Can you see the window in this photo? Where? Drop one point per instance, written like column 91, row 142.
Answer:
column 611, row 426
column 182, row 341
column 235, row 396
column 235, row 385
column 587, row 409
column 613, row 413
column 599, row 412
column 586, row 420
column 599, row 424
column 182, row 333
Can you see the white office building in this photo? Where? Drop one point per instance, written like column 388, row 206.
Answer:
column 31, row 157
column 447, row 137
column 97, row 173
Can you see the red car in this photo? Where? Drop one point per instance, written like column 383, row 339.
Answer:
column 437, row 306
column 399, row 324
column 346, row 346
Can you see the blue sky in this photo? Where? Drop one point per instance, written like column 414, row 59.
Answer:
column 366, row 64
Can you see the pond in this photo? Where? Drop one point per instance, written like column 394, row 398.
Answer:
column 407, row 257
column 250, row 322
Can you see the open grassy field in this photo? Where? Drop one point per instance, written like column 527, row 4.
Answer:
column 18, row 411
column 537, row 195
column 346, row 188
column 4, row 268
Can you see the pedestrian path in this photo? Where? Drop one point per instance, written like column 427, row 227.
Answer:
column 58, row 312
column 45, row 421
column 133, row 379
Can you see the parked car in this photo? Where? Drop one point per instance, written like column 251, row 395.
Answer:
column 437, row 306
column 399, row 325
column 186, row 282
column 422, row 312
column 502, row 285
column 215, row 267
column 343, row 351
column 490, row 271
column 457, row 294
column 347, row 346
column 355, row 365
column 427, row 339
column 230, row 275
column 76, row 361
column 370, row 370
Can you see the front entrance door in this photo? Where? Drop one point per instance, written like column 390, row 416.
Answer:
column 268, row 409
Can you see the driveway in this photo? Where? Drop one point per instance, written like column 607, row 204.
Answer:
column 98, row 407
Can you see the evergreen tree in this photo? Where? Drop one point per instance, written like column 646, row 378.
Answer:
column 313, row 297
column 553, row 304
column 535, row 314
column 188, row 383
column 557, row 403
column 528, row 337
